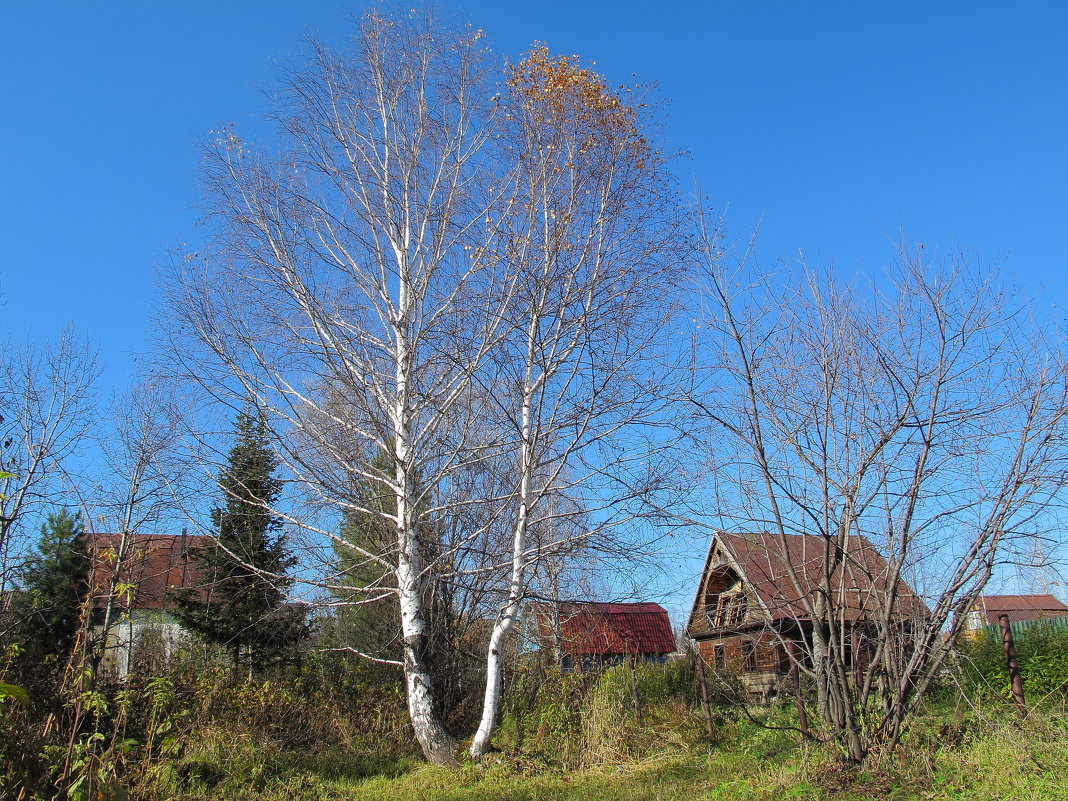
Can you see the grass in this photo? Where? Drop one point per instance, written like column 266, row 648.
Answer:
column 989, row 762
column 576, row 737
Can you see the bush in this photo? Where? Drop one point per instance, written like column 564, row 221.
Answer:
column 1042, row 653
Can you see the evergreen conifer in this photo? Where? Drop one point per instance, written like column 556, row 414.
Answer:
column 52, row 588
column 369, row 627
column 241, row 603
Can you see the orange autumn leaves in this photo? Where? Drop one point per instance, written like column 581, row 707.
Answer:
column 565, row 102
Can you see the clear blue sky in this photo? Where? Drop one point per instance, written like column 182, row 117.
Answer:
column 837, row 123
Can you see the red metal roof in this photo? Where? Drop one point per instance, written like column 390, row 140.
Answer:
column 1021, row 607
column 153, row 566
column 588, row 629
column 860, row 582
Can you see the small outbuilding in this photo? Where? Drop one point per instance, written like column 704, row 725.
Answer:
column 987, row 609
column 589, row 636
column 140, row 589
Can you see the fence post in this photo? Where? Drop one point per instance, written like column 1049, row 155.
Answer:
column 703, row 682
column 1014, row 667
column 634, row 689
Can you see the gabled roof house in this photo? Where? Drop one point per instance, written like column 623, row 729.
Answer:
column 749, row 614
column 987, row 609
column 152, row 567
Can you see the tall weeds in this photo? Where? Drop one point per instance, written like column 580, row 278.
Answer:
column 576, row 720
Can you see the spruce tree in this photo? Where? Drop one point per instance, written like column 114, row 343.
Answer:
column 241, row 603
column 52, row 588
column 371, row 628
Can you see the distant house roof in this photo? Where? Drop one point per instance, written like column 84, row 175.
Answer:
column 590, row 629
column 860, row 581
column 1020, row 607
column 154, row 565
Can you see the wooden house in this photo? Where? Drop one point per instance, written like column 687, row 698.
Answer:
column 749, row 617
column 589, row 636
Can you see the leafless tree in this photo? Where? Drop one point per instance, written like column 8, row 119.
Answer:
column 142, row 482
column 924, row 414
column 353, row 290
column 457, row 278
column 594, row 241
column 47, row 408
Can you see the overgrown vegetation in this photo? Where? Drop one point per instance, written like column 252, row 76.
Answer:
column 203, row 727
column 1042, row 651
column 335, row 727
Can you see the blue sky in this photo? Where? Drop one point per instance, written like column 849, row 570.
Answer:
column 836, row 124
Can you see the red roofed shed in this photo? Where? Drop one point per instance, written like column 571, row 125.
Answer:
column 1019, row 608
column 590, row 635
column 151, row 568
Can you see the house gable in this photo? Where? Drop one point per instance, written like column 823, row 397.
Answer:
column 749, row 615
column 725, row 599
column 1018, row 608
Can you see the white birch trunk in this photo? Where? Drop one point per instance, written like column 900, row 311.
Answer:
column 482, row 743
column 437, row 744
column 502, row 628
column 491, row 703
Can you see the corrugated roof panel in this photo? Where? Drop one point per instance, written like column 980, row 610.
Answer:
column 154, row 565
column 588, row 629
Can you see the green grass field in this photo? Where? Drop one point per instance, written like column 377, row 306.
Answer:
column 990, row 761
column 204, row 735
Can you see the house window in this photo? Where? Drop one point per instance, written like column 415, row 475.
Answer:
column 729, row 608
column 736, row 610
column 846, row 649
column 719, row 657
column 749, row 661
column 783, row 659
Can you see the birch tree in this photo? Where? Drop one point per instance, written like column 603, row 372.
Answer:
column 923, row 414
column 594, row 240
column 353, row 290
column 461, row 273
